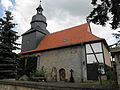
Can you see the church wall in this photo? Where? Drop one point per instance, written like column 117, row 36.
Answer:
column 66, row 58
column 106, row 55
column 96, row 52
column 100, row 51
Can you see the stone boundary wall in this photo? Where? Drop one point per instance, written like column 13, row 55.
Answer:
column 27, row 85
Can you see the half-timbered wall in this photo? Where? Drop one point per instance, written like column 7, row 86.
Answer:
column 94, row 52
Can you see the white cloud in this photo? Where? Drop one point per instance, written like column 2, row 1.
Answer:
column 104, row 32
column 6, row 4
column 22, row 14
column 57, row 18
column 57, row 24
column 60, row 14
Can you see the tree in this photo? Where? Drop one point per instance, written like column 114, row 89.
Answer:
column 8, row 37
column 104, row 11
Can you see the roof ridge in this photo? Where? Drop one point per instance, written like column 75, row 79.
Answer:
column 68, row 28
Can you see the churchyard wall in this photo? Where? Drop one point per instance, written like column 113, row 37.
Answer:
column 27, row 85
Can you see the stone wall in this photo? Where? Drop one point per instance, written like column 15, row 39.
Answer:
column 117, row 58
column 106, row 55
column 115, row 52
column 65, row 58
column 25, row 85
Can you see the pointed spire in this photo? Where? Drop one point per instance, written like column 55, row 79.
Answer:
column 40, row 2
column 39, row 9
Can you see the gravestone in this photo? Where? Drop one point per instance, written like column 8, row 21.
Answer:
column 71, row 77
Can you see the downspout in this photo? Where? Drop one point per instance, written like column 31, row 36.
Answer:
column 81, row 62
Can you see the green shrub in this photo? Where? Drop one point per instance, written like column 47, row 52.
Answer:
column 38, row 73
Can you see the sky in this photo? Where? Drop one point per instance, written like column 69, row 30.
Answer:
column 60, row 14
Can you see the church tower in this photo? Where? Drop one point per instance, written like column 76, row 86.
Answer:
column 34, row 35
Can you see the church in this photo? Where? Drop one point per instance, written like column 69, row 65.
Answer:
column 67, row 54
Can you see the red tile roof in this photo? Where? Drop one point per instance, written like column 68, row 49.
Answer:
column 71, row 36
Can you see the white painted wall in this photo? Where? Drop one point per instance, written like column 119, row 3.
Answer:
column 96, row 46
column 97, row 50
column 91, row 58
